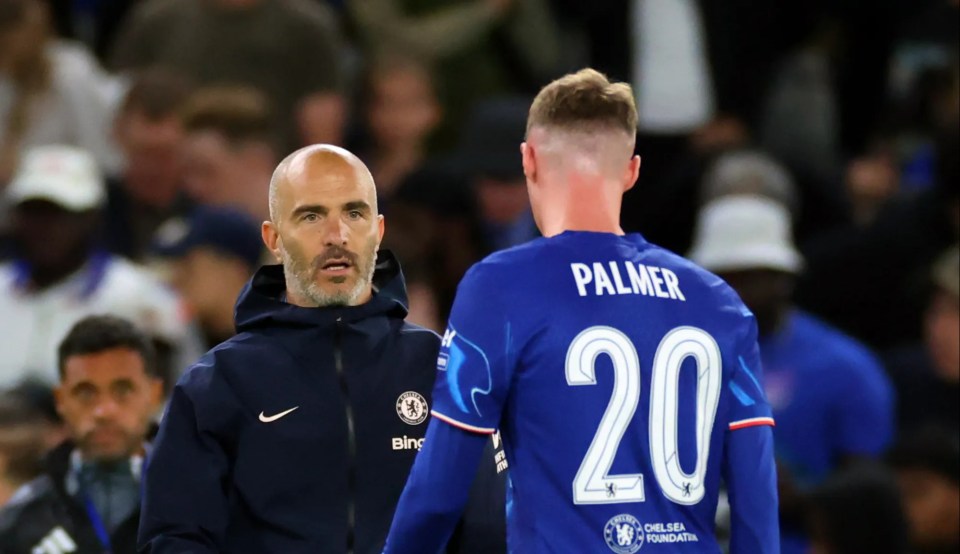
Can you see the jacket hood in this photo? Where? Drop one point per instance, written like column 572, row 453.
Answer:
column 261, row 301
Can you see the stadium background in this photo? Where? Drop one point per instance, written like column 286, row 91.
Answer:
column 844, row 112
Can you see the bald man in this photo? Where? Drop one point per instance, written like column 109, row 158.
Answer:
column 298, row 434
column 624, row 378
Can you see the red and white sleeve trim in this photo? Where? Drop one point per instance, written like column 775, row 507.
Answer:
column 461, row 425
column 752, row 422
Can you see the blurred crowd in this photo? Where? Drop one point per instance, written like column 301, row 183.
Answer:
column 806, row 152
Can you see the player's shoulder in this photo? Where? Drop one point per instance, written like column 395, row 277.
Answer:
column 541, row 250
column 518, row 254
column 509, row 261
column 712, row 286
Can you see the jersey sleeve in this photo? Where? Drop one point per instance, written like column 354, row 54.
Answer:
column 748, row 468
column 748, row 406
column 474, row 365
column 436, row 491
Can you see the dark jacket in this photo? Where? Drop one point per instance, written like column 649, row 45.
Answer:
column 297, row 435
column 44, row 506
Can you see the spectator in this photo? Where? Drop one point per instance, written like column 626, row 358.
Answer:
column 922, row 87
column 750, row 173
column 229, row 149
column 927, row 375
column 50, row 92
column 401, row 112
column 479, row 48
column 829, row 394
column 214, row 253
column 21, row 447
column 927, row 464
column 451, row 211
column 289, row 49
column 830, row 397
column 871, row 180
column 455, row 209
column 700, row 70
column 434, row 225
column 61, row 276
column 88, row 499
column 813, row 207
column 858, row 511
column 849, row 269
column 149, row 190
column 40, row 401
column 740, row 171
column 490, row 158
column 95, row 23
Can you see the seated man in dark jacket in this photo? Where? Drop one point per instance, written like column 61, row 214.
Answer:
column 88, row 499
column 297, row 434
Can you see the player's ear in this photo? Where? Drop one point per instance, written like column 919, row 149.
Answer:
column 529, row 158
column 271, row 238
column 633, row 171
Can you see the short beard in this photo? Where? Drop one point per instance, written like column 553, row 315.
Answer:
column 304, row 284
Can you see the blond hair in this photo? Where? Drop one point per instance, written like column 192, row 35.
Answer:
column 584, row 100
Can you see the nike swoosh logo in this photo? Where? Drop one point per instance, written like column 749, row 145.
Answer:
column 269, row 419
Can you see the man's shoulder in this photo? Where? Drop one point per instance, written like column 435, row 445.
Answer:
column 410, row 331
column 232, row 364
column 232, row 356
column 832, row 339
column 841, row 351
column 33, row 503
column 39, row 515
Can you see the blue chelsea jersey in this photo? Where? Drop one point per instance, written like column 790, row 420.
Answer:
column 618, row 374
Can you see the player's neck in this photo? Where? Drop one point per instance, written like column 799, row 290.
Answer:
column 586, row 220
column 614, row 229
column 582, row 212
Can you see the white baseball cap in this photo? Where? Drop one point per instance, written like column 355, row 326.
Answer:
column 65, row 175
column 742, row 232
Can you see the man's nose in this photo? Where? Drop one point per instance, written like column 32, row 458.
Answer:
column 106, row 408
column 336, row 232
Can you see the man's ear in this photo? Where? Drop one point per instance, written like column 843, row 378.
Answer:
column 633, row 171
column 529, row 158
column 271, row 238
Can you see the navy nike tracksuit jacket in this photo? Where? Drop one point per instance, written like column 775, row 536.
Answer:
column 297, row 435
